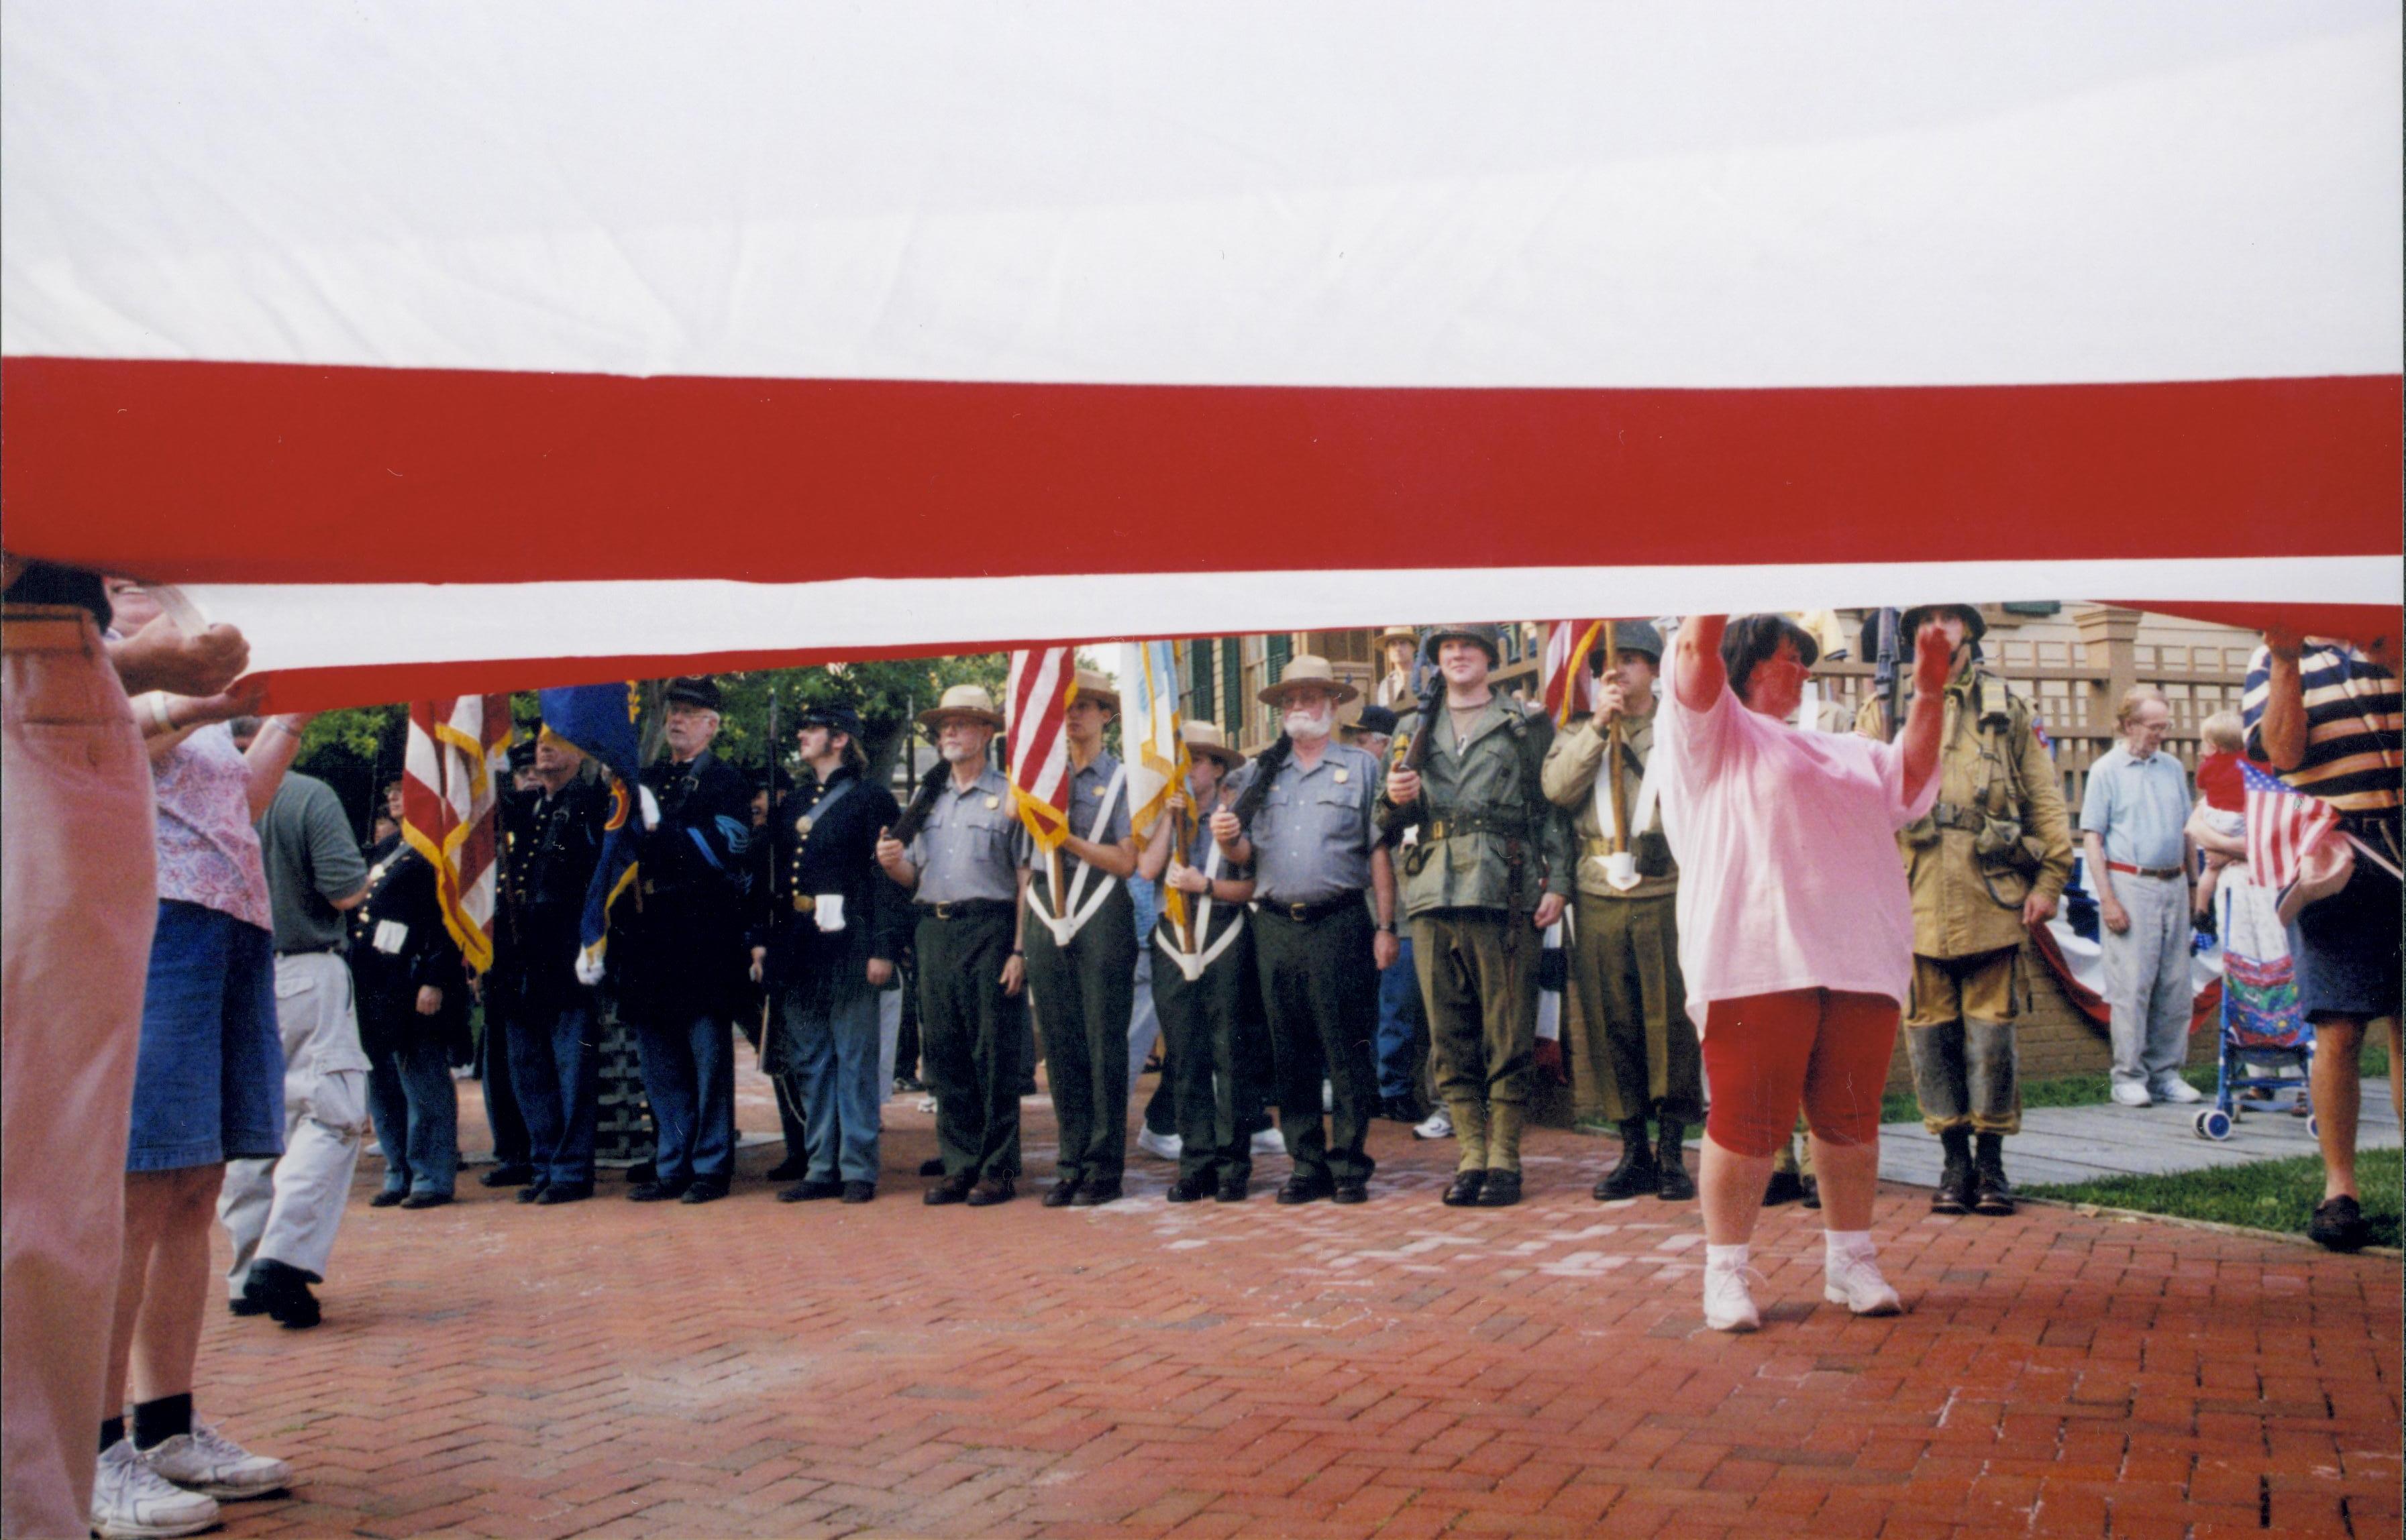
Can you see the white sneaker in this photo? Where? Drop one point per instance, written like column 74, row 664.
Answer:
column 1159, row 1146
column 130, row 1500
column 207, row 1460
column 2131, row 1093
column 1729, row 1298
column 1856, row 1283
column 2178, row 1090
column 1327, row 1096
column 1437, row 1126
column 925, row 1104
column 1268, row 1141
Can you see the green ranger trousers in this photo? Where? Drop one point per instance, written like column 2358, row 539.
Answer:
column 1319, row 988
column 1631, row 1049
column 1083, row 994
column 1203, row 1038
column 970, row 1034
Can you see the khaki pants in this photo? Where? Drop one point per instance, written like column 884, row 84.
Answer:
column 1482, row 1002
column 80, row 898
column 1960, row 1035
column 287, row 1208
column 1631, row 1047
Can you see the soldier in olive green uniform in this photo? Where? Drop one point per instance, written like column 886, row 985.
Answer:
column 1989, row 862
column 1632, row 1051
column 1489, row 869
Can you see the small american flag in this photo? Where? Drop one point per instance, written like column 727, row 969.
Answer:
column 2284, row 826
column 1563, row 674
column 1042, row 679
column 458, row 751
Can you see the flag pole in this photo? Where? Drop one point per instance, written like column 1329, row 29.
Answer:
column 1612, row 745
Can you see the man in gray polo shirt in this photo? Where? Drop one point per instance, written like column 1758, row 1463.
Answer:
column 2131, row 824
column 282, row 1213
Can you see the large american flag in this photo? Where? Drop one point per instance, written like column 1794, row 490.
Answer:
column 1563, row 673
column 459, row 750
column 1042, row 679
column 2284, row 826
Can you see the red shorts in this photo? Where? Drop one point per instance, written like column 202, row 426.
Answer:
column 1765, row 1054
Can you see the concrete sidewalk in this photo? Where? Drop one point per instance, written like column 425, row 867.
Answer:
column 1397, row 1369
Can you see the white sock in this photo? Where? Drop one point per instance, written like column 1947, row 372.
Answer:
column 1848, row 1245
column 1728, row 1258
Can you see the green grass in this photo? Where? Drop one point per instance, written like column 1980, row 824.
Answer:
column 2277, row 1194
column 2094, row 1090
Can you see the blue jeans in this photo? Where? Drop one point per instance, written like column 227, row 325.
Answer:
column 689, row 1078
column 554, row 1072
column 417, row 1111
column 1399, row 1023
column 835, row 1084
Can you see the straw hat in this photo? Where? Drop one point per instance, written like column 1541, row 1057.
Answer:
column 1306, row 669
column 969, row 700
column 1204, row 741
column 1098, row 687
column 1398, row 633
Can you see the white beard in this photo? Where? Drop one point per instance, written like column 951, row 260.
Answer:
column 1309, row 726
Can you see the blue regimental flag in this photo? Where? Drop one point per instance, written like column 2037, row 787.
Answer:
column 601, row 720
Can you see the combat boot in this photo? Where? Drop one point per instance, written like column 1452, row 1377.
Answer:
column 1954, row 1194
column 1992, row 1193
column 1674, row 1184
column 1635, row 1176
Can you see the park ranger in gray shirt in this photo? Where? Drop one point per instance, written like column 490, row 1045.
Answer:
column 964, row 871
column 1310, row 837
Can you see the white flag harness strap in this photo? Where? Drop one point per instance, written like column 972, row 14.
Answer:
column 1192, row 964
column 1081, row 905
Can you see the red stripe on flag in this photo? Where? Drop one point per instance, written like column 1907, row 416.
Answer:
column 273, row 473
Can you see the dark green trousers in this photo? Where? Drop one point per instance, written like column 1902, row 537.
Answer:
column 968, row 1041
column 1083, row 994
column 1202, row 1031
column 1631, row 1049
column 1479, row 979
column 1319, row 989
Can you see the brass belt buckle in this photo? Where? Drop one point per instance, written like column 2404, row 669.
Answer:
column 804, row 903
column 943, row 912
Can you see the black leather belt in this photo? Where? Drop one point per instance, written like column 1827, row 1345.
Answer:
column 1446, row 828
column 966, row 909
column 1304, row 915
column 332, row 949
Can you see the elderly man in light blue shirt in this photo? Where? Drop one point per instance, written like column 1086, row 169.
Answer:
column 2130, row 825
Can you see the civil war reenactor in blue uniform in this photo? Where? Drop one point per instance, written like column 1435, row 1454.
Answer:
column 678, row 961
column 962, row 867
column 551, row 842
column 825, row 950
column 412, row 991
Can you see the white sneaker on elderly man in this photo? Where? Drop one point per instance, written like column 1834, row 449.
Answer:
column 2175, row 1089
column 207, row 1460
column 2131, row 1093
column 1850, row 1277
column 1729, row 1294
column 130, row 1501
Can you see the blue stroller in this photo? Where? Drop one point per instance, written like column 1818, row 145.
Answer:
column 2263, row 1031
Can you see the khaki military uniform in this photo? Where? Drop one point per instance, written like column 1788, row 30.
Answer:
column 1631, row 1049
column 1998, row 834
column 1489, row 847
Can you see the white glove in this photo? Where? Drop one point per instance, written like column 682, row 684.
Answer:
column 588, row 967
column 651, row 807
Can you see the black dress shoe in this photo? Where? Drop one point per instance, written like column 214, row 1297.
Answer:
column 1462, row 1191
column 859, row 1192
column 282, row 1290
column 1188, row 1190
column 566, row 1192
column 795, row 1168
column 642, row 1172
column 506, row 1175
column 950, row 1190
column 1303, row 1189
column 243, row 1305
column 1502, row 1190
column 993, row 1190
column 811, row 1191
column 704, row 1192
column 1093, row 1194
column 1061, row 1193
column 389, row 1197
column 655, row 1192
column 532, row 1192
column 932, row 1167
column 1233, row 1190
column 426, row 1200
column 1349, row 1190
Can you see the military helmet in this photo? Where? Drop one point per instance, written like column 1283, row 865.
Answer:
column 1630, row 636
column 1909, row 623
column 1478, row 631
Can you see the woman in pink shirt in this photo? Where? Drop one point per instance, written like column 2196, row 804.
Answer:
column 1795, row 932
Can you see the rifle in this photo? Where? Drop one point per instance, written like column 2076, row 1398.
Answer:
column 1886, row 676
column 1266, row 765
column 923, row 803
column 1413, row 752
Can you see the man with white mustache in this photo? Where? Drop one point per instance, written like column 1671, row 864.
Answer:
column 1313, row 844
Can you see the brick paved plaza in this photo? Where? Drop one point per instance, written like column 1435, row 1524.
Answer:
column 1398, row 1369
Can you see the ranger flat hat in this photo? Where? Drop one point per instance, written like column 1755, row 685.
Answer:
column 1308, row 669
column 1399, row 633
column 969, row 700
column 840, row 718
column 1478, row 631
column 1374, row 719
column 1910, row 623
column 1204, row 741
column 693, row 690
column 1098, row 687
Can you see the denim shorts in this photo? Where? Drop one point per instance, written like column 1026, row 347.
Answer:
column 2346, row 948
column 209, row 1079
